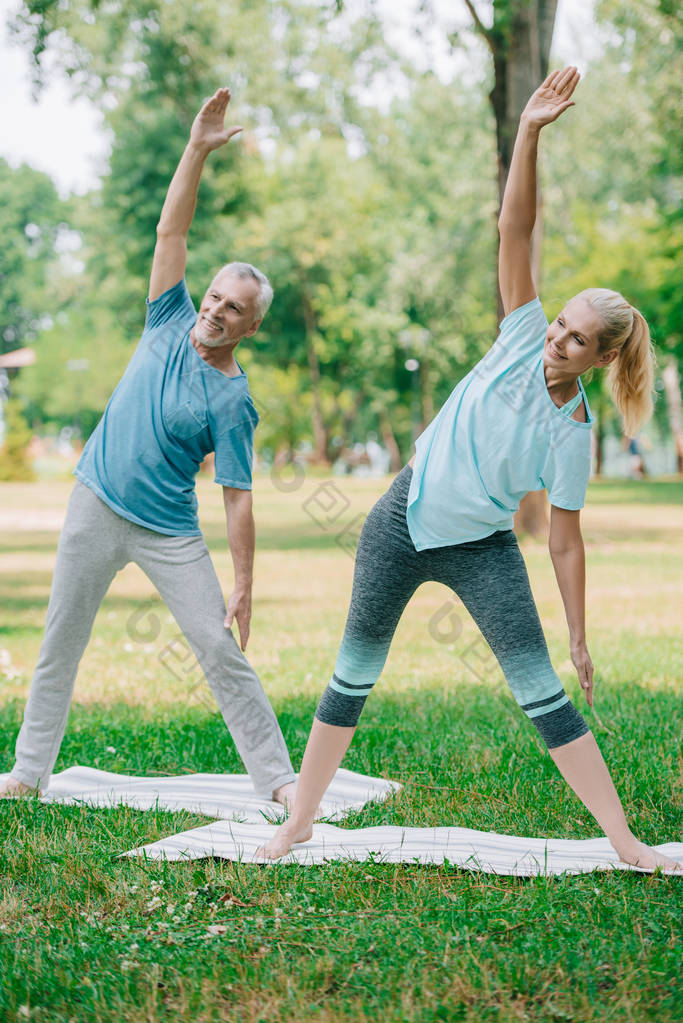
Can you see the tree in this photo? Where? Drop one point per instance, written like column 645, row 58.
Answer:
column 613, row 181
column 647, row 41
column 519, row 40
column 31, row 215
column 299, row 85
column 14, row 463
column 80, row 358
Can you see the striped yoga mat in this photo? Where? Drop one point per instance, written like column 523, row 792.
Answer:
column 226, row 796
column 473, row 850
column 242, row 826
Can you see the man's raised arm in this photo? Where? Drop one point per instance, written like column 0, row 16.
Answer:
column 170, row 253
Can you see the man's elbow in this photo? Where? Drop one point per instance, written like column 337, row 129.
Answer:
column 233, row 497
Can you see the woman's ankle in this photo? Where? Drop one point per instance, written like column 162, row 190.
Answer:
column 622, row 840
column 298, row 822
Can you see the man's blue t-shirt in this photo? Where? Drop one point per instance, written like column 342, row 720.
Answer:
column 168, row 411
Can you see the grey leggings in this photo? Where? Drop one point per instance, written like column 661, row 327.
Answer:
column 94, row 544
column 490, row 578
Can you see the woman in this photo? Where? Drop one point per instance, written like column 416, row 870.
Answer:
column 518, row 422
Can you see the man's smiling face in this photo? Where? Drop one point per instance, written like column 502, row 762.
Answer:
column 228, row 311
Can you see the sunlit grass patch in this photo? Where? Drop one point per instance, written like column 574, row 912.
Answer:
column 85, row 935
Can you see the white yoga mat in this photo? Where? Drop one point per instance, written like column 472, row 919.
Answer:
column 474, row 850
column 225, row 796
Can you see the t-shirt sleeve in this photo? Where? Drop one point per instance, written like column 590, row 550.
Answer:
column 566, row 473
column 174, row 304
column 234, row 452
column 524, row 329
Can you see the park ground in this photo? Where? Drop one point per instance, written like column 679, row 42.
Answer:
column 87, row 936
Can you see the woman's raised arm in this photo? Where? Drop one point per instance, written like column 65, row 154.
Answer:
column 518, row 212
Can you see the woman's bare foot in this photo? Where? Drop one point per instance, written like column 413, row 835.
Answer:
column 640, row 855
column 287, row 835
column 13, row 788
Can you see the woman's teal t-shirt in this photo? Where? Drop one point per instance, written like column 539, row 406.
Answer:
column 168, row 411
column 499, row 436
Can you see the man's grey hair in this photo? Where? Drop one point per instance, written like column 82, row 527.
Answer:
column 265, row 295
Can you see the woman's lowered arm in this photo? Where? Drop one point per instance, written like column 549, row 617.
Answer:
column 566, row 551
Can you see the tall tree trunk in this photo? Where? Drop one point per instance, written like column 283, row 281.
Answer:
column 319, row 431
column 672, row 390
column 519, row 40
column 390, row 443
column 348, row 419
column 599, row 444
column 426, row 392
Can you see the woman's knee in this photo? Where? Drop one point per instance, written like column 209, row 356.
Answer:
column 340, row 709
column 556, row 719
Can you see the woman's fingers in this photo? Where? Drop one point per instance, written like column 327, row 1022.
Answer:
column 565, row 77
column 572, row 83
column 584, row 671
column 564, row 106
column 589, row 683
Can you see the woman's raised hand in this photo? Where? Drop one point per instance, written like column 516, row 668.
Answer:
column 208, row 131
column 551, row 98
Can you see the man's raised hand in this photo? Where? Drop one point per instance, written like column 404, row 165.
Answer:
column 551, row 98
column 208, row 131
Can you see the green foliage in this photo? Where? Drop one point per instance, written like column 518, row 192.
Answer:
column 79, row 361
column 14, row 462
column 30, row 217
column 373, row 219
column 86, row 935
column 283, row 406
column 613, row 174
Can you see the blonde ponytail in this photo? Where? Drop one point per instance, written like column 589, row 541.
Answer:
column 631, row 374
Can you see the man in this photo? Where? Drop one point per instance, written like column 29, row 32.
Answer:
column 183, row 395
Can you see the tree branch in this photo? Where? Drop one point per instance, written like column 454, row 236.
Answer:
column 479, row 25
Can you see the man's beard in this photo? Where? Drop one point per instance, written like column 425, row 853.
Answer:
column 207, row 340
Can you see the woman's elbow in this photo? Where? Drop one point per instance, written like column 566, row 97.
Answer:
column 562, row 545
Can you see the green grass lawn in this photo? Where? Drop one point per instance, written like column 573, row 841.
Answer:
column 85, row 936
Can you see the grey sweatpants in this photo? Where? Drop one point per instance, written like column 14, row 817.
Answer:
column 94, row 544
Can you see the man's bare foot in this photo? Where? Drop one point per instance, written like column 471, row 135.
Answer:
column 287, row 835
column 640, row 855
column 13, row 788
column 285, row 795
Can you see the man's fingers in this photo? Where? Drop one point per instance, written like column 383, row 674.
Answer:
column 219, row 101
column 234, row 131
column 244, row 633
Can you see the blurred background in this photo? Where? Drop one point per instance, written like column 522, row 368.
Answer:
column 366, row 185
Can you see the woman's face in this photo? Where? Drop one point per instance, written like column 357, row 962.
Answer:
column 571, row 342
